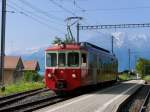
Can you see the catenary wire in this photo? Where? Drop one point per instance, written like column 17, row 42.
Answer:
column 33, row 18
column 62, row 7
column 37, row 9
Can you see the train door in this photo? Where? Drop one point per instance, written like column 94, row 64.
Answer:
column 84, row 68
column 84, row 62
column 94, row 69
column 99, row 67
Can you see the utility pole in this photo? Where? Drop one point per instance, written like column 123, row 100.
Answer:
column 129, row 54
column 3, row 22
column 112, row 43
column 135, row 62
column 78, row 32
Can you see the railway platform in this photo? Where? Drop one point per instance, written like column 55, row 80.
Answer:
column 107, row 100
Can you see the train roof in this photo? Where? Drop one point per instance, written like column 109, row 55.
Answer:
column 64, row 47
column 75, row 46
column 87, row 44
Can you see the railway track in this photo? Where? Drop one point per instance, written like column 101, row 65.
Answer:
column 33, row 105
column 19, row 96
column 136, row 102
column 30, row 100
column 143, row 107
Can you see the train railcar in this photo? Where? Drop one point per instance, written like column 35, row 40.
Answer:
column 71, row 66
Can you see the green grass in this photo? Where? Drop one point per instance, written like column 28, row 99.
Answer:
column 147, row 78
column 21, row 87
column 126, row 76
column 123, row 77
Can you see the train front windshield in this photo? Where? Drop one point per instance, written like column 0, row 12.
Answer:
column 61, row 59
column 51, row 59
column 69, row 59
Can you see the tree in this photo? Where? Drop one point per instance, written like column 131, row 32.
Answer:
column 57, row 40
column 143, row 66
column 67, row 40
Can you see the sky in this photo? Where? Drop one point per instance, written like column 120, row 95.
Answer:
column 33, row 24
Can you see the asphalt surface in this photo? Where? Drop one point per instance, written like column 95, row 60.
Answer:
column 107, row 100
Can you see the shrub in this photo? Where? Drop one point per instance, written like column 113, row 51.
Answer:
column 32, row 76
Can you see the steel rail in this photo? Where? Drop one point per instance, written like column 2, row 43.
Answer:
column 33, row 105
column 16, row 94
column 15, row 97
column 143, row 107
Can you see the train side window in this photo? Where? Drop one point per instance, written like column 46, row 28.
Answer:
column 84, row 59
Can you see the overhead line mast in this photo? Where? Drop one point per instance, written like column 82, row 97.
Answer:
column 3, row 22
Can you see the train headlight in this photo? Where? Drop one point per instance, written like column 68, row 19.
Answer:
column 74, row 76
column 49, row 75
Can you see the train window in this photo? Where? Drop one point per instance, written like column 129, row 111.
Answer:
column 51, row 59
column 73, row 59
column 61, row 59
column 84, row 59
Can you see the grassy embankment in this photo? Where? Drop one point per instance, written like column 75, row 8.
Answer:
column 126, row 76
column 147, row 78
column 21, row 87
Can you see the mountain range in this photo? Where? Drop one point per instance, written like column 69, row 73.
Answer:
column 137, row 43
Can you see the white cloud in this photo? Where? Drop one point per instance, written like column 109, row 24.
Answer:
column 133, row 40
column 119, row 38
column 26, row 51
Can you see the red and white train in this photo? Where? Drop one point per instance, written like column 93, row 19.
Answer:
column 71, row 66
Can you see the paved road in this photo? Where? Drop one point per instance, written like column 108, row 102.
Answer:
column 106, row 100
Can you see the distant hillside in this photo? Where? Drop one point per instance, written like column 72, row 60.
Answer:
column 38, row 55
